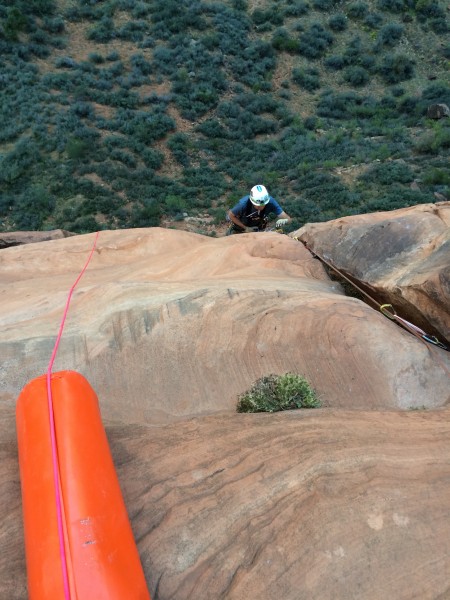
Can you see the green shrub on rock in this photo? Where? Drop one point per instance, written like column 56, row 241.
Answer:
column 273, row 393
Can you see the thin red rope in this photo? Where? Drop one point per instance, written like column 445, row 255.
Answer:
column 56, row 476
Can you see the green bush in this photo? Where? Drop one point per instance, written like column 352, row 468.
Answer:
column 338, row 22
column 396, row 67
column 335, row 61
column 323, row 4
column 357, row 10
column 436, row 176
column 273, row 393
column 390, row 35
column 373, row 20
column 356, row 76
column 387, row 173
column 315, row 41
column 297, row 8
column 394, row 6
column 308, row 79
column 283, row 42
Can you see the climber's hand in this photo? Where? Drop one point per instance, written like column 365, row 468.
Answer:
column 281, row 222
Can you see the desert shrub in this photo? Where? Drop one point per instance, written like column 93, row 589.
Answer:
column 175, row 204
column 387, row 173
column 54, row 25
column 437, row 176
column 272, row 15
column 338, row 106
column 76, row 148
column 315, row 41
column 439, row 26
column 283, row 42
column 338, row 22
column 297, row 8
column 434, row 141
column 254, row 63
column 356, row 76
column 397, row 197
column 274, row 393
column 132, row 31
column 85, row 224
column 429, row 9
column 113, row 56
column 32, row 207
column 393, row 6
column 438, row 92
column 396, row 67
column 308, row 79
column 16, row 163
column 389, row 35
column 373, row 20
column 323, row 4
column 124, row 157
column 139, row 9
column 102, row 32
column 335, row 62
column 96, row 58
column 357, row 10
column 14, row 23
column 152, row 158
column 139, row 64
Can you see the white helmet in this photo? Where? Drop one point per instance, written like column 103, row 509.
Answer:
column 259, row 196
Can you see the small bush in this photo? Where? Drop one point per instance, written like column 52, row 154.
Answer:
column 357, row 10
column 390, row 34
column 297, row 9
column 323, row 4
column 437, row 177
column 315, row 41
column 396, row 67
column 335, row 62
column 439, row 26
column 281, row 41
column 393, row 6
column 338, row 22
column 308, row 79
column 373, row 20
column 388, row 173
column 273, row 393
column 356, row 76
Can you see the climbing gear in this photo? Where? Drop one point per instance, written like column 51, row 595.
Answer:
column 391, row 314
column 259, row 196
column 389, row 311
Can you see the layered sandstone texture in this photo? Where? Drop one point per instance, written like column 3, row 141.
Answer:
column 347, row 501
column 401, row 257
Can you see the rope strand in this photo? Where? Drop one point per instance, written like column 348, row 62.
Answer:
column 55, row 462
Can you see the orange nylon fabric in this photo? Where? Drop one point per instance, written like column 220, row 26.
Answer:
column 103, row 561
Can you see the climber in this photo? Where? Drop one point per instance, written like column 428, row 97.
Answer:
column 252, row 212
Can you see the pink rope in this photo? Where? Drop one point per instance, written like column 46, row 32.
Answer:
column 56, row 477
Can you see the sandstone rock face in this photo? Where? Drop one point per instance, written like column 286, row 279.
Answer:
column 17, row 238
column 401, row 257
column 346, row 501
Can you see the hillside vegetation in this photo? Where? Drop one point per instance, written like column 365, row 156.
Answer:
column 118, row 113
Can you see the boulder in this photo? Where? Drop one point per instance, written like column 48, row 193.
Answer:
column 438, row 111
column 17, row 238
column 401, row 257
